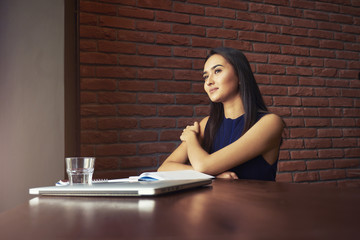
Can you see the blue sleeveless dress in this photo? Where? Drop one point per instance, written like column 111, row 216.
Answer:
column 256, row 168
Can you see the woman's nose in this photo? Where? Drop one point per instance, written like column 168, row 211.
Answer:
column 209, row 80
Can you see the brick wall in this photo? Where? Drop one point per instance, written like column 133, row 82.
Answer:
column 141, row 83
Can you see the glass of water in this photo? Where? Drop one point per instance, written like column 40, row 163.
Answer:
column 80, row 170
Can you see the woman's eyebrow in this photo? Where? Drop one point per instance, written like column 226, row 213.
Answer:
column 215, row 66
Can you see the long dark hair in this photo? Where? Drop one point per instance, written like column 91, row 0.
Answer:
column 248, row 90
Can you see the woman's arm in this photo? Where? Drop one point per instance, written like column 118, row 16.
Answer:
column 178, row 160
column 262, row 138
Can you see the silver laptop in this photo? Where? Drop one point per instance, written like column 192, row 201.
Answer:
column 140, row 188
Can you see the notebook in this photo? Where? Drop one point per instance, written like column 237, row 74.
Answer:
column 138, row 188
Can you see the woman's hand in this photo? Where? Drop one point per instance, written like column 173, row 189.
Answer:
column 191, row 131
column 227, row 175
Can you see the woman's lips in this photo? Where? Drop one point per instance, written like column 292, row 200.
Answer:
column 212, row 90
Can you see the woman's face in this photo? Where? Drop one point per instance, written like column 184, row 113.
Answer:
column 221, row 83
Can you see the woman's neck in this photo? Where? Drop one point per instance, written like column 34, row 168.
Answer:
column 233, row 109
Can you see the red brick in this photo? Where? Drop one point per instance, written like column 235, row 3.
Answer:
column 315, row 102
column 154, row 50
column 343, row 122
column 322, row 53
column 270, row 69
column 294, row 122
column 176, row 40
column 300, row 91
column 136, row 110
column 268, row 48
column 189, row 52
column 331, row 44
column 98, row 58
column 97, row 84
column 116, row 72
column 117, row 123
column 192, row 75
column 287, row 101
column 240, row 45
column 88, row 97
column 341, row 18
column 206, row 21
column 346, row 163
column 174, row 86
column 202, row 111
column 117, row 97
column 286, row 80
column 294, row 50
column 137, row 162
column 351, row 132
column 134, row 60
column 192, row 99
column 136, row 36
column 306, row 176
column 137, row 136
column 287, row 11
column 341, row 102
column 172, row 17
column 331, row 153
column 273, row 90
column 329, row 132
column 88, row 123
column 136, row 12
column 352, row 152
column 251, row 17
column 147, row 86
column 159, row 4
column 221, row 33
column 316, row 15
column 330, row 26
column 106, row 163
column 285, row 166
column 158, row 123
column 173, row 63
column 153, row 73
column 98, row 110
column 116, row 22
column 302, row 41
column 170, row 135
column 157, row 147
column 188, row 8
column 153, row 26
column 302, row 132
column 116, row 47
column 262, row 27
column 173, row 111
column 318, row 143
column 88, row 19
column 310, row 112
column 93, row 32
column 284, row 177
column 96, row 137
column 156, row 98
column 344, row 142
column 278, row 20
column 311, row 81
column 220, row 12
column 233, row 4
column 87, row 45
column 303, row 154
column 292, row 144
column 115, row 150
column 94, row 7
column 321, row 122
column 252, row 36
column 332, row 174
column 189, row 30
column 319, row 164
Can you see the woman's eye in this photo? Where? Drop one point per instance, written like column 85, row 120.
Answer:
column 217, row 70
column 205, row 77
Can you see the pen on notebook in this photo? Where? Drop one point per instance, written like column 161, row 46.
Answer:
column 130, row 179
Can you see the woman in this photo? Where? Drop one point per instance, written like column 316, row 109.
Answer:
column 240, row 138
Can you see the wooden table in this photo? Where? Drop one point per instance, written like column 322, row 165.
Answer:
column 229, row 209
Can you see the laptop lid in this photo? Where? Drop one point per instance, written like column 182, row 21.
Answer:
column 140, row 188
